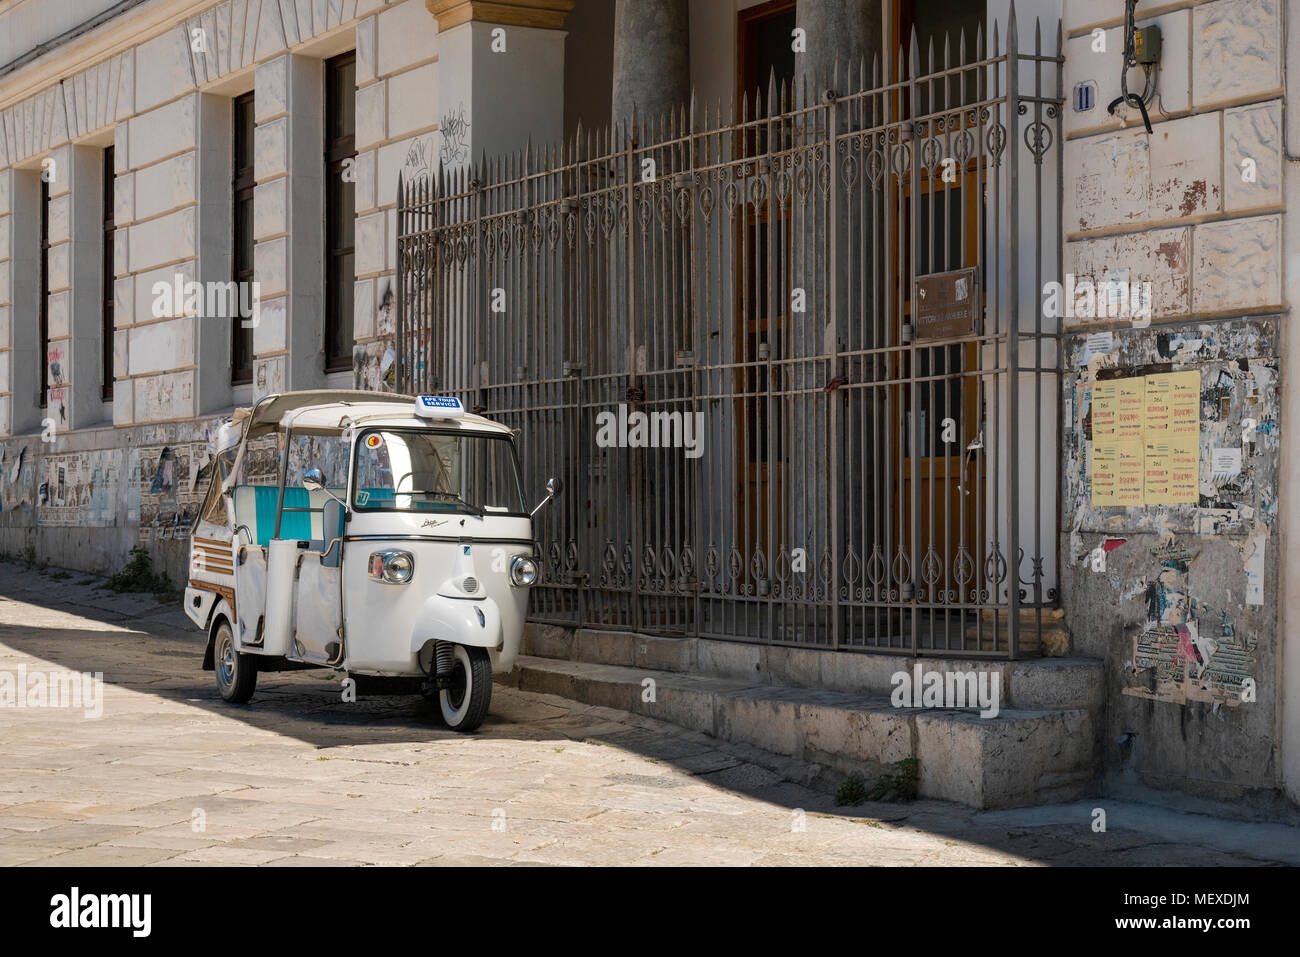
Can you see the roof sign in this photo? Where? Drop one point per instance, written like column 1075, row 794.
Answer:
column 438, row 407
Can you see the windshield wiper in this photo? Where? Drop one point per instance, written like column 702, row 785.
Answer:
column 442, row 493
column 474, row 509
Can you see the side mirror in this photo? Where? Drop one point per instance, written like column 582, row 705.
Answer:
column 553, row 488
column 313, row 480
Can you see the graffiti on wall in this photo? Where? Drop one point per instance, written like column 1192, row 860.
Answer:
column 455, row 136
column 418, row 163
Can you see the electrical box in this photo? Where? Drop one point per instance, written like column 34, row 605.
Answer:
column 1147, row 45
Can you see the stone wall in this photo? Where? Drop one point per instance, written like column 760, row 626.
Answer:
column 77, row 475
column 1181, row 600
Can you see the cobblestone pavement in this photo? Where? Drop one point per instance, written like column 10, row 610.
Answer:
column 171, row 775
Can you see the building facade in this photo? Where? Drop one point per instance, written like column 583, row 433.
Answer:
column 200, row 205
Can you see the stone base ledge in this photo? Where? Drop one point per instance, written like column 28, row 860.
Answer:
column 1018, row 758
column 1029, row 683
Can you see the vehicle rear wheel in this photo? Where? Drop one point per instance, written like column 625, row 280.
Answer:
column 236, row 673
column 464, row 702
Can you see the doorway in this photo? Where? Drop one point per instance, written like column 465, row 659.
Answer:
column 765, row 63
column 937, row 407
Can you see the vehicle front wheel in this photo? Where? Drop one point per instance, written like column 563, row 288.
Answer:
column 464, row 702
column 236, row 673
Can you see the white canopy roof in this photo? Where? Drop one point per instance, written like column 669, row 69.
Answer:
column 325, row 411
column 335, row 416
column 270, row 411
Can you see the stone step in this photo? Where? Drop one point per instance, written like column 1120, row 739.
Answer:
column 1053, row 642
column 1022, row 756
column 1053, row 682
column 1028, row 616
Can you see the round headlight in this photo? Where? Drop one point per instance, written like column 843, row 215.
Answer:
column 523, row 570
column 394, row 567
column 399, row 567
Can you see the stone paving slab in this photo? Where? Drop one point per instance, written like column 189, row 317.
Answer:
column 169, row 775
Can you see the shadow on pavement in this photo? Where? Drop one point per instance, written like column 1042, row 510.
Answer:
column 155, row 650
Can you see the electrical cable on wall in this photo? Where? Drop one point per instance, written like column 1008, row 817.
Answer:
column 1141, row 48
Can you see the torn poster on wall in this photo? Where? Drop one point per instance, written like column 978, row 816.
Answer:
column 160, row 493
column 17, row 478
column 1238, row 416
column 79, row 488
column 1253, row 560
column 374, row 366
column 1199, row 638
column 1188, row 650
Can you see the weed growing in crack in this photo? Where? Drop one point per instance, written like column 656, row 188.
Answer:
column 139, row 576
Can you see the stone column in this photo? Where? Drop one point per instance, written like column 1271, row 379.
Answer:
column 652, row 57
column 847, row 30
column 843, row 33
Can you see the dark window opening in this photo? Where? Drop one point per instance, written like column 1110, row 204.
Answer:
column 937, row 21
column 764, row 54
column 761, row 264
column 106, row 269
column 241, row 338
column 340, row 209
column 766, row 50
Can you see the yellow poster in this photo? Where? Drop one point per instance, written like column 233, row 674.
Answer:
column 1105, row 410
column 1131, row 413
column 1105, row 453
column 1129, row 480
column 1159, row 461
column 1185, row 436
column 1105, row 468
column 1158, row 468
column 1146, row 440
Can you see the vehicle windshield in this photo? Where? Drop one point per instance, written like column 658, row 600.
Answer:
column 420, row 471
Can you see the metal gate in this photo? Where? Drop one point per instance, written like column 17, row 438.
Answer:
column 714, row 330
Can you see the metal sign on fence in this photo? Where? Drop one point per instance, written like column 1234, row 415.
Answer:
column 947, row 304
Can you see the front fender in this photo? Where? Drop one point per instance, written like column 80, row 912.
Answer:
column 219, row 610
column 472, row 622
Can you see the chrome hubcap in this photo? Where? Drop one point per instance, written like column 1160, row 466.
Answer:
column 227, row 660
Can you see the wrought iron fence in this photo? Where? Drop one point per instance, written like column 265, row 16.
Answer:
column 714, row 330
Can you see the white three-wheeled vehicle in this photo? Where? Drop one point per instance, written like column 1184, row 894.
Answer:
column 380, row 535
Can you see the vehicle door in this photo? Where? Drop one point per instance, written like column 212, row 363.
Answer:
column 312, row 520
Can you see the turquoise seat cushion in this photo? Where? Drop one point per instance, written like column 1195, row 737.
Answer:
column 295, row 525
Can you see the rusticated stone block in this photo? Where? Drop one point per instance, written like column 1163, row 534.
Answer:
column 1238, row 264
column 1236, row 50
